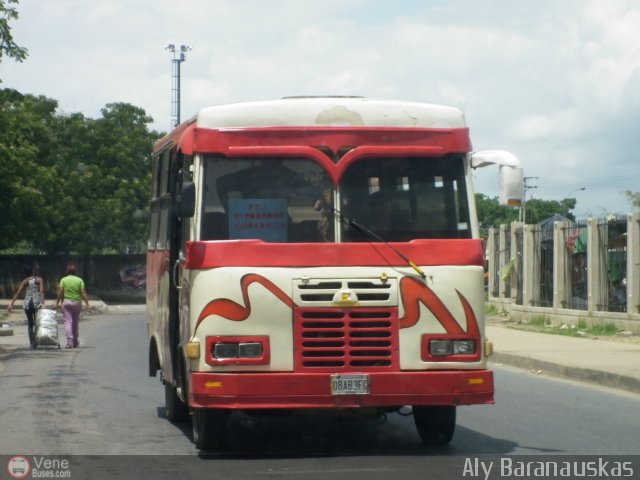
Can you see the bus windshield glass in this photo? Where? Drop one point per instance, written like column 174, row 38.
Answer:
column 401, row 199
column 292, row 200
column 269, row 199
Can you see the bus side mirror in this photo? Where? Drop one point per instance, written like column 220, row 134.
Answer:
column 511, row 186
column 511, row 177
column 186, row 201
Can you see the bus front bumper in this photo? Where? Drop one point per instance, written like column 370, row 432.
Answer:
column 314, row 390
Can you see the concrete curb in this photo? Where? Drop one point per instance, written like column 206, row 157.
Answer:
column 597, row 377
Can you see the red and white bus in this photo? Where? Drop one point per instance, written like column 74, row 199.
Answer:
column 319, row 253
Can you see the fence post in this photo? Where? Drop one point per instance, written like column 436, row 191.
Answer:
column 493, row 268
column 633, row 263
column 531, row 272
column 517, row 267
column 559, row 264
column 596, row 266
column 504, row 259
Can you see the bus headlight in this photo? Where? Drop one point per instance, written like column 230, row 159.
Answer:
column 452, row 347
column 225, row 350
column 441, row 347
column 238, row 350
column 464, row 347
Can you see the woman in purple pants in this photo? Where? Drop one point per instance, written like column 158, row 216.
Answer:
column 71, row 292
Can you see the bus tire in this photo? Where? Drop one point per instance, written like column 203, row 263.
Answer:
column 174, row 409
column 435, row 424
column 209, row 426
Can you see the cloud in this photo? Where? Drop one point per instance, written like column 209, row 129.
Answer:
column 558, row 83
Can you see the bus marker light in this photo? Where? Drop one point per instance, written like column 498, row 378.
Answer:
column 193, row 350
column 475, row 381
column 213, row 384
column 488, row 348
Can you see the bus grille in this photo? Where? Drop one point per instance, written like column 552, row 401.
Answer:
column 346, row 339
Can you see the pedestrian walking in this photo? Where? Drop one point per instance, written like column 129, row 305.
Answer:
column 33, row 299
column 71, row 293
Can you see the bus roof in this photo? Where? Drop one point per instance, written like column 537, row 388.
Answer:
column 330, row 111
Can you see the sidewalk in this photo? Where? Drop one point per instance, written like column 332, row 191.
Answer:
column 613, row 363
column 605, row 362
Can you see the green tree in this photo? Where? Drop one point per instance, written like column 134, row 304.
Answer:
column 106, row 163
column 118, row 178
column 71, row 184
column 537, row 210
column 491, row 214
column 26, row 140
column 634, row 198
column 7, row 46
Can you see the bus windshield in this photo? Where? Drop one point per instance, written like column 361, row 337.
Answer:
column 292, row 200
column 262, row 198
column 401, row 199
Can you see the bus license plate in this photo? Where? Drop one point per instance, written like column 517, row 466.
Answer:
column 349, row 384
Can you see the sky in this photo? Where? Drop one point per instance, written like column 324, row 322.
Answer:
column 557, row 83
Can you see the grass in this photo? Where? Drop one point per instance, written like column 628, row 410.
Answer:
column 490, row 309
column 579, row 329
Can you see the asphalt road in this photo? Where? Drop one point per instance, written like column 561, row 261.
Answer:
column 97, row 400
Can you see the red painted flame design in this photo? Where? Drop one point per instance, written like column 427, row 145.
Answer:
column 412, row 291
column 233, row 311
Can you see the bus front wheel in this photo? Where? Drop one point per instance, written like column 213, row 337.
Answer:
column 209, row 426
column 435, row 424
column 174, row 409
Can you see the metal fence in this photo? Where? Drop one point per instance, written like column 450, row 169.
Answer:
column 542, row 292
column 575, row 276
column 568, row 266
column 614, row 253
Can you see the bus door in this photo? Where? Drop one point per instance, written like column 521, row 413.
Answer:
column 178, row 235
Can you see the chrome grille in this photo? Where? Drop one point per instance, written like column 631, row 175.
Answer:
column 371, row 292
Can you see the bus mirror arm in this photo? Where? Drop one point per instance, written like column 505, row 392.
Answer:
column 511, row 177
column 186, row 201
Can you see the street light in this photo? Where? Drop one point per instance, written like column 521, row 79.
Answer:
column 568, row 205
column 575, row 190
column 177, row 57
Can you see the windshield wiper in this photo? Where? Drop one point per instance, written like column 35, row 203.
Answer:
column 370, row 233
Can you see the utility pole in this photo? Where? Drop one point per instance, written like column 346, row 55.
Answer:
column 177, row 57
column 523, row 210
